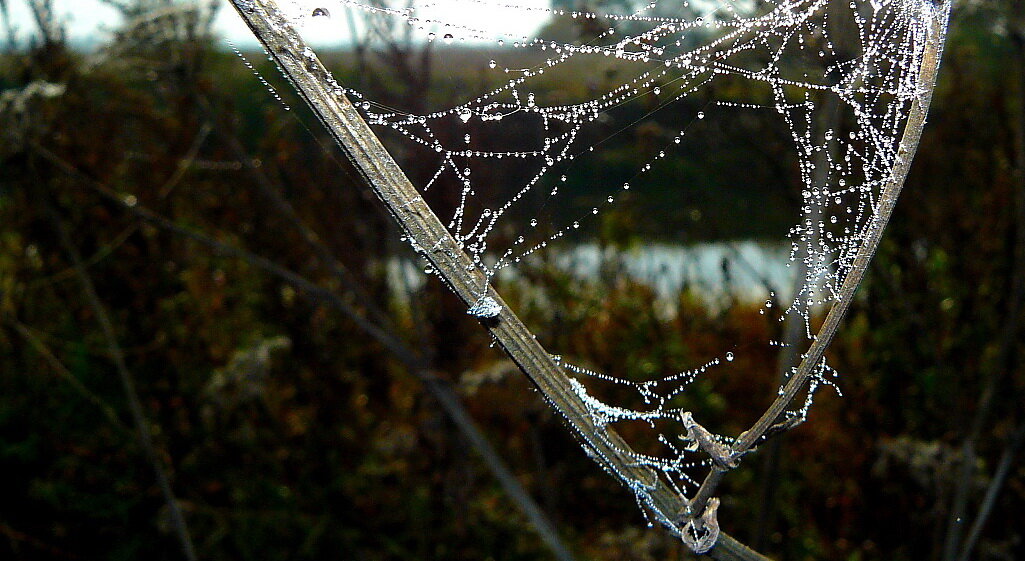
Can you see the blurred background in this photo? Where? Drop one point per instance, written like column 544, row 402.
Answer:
column 178, row 250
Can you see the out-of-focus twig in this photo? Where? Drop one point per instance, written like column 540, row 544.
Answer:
column 1003, row 362
column 267, row 189
column 437, row 387
column 142, row 430
column 1014, row 446
column 65, row 374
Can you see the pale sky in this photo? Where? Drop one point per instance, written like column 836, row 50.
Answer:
column 91, row 20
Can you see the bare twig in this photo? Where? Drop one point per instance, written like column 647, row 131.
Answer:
column 793, row 331
column 386, row 339
column 437, row 387
column 873, row 235
column 1003, row 362
column 107, row 249
column 51, row 29
column 1014, row 446
column 272, row 193
column 65, row 374
column 812, row 360
column 16, row 537
column 128, row 385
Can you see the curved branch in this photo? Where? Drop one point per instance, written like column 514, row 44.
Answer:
column 812, row 360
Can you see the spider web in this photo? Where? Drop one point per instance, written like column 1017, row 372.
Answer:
column 838, row 77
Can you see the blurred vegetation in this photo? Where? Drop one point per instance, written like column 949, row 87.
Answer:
column 289, row 433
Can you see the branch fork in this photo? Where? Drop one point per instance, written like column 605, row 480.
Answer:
column 722, row 456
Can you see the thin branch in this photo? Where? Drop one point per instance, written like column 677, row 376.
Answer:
column 9, row 30
column 1014, row 446
column 128, row 385
column 437, row 387
column 291, row 277
column 63, row 373
column 829, row 119
column 21, row 537
column 812, row 360
column 443, row 392
column 1003, row 362
column 184, row 162
column 873, row 235
column 272, row 193
column 51, row 30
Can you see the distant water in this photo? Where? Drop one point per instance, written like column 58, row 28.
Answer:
column 746, row 271
column 716, row 272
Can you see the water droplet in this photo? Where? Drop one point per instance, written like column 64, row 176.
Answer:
column 701, row 114
column 321, row 12
column 486, row 307
column 492, row 64
column 729, row 357
column 448, row 38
